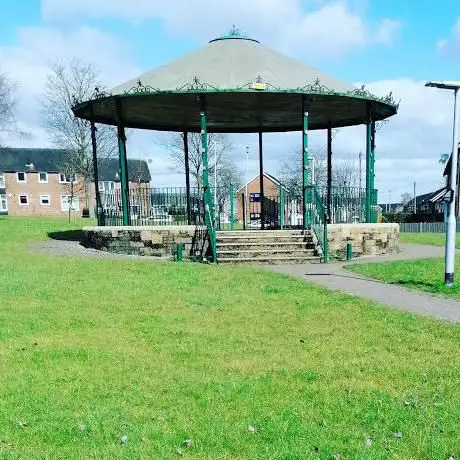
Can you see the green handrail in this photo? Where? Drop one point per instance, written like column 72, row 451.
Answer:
column 317, row 214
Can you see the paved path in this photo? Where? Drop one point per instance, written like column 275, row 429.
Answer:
column 74, row 248
column 333, row 276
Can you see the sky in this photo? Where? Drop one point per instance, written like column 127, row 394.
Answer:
column 391, row 45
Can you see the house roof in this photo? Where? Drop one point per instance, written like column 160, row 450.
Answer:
column 431, row 197
column 46, row 160
column 49, row 160
column 268, row 176
column 138, row 170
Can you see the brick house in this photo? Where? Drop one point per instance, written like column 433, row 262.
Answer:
column 271, row 203
column 32, row 184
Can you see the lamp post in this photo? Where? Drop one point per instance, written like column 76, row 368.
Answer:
column 451, row 219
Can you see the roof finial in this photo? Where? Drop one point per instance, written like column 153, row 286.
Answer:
column 234, row 32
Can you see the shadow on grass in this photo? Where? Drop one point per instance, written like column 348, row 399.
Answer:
column 68, row 235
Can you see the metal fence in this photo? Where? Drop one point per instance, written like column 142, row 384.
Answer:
column 425, row 227
column 168, row 206
column 348, row 204
column 154, row 206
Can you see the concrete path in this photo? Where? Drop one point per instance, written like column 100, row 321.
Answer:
column 74, row 248
column 333, row 276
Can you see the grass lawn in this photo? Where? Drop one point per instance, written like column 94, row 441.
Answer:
column 96, row 350
column 424, row 274
column 434, row 239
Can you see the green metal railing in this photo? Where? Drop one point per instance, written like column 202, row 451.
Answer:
column 318, row 219
column 153, row 206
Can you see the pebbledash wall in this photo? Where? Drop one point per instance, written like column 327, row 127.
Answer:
column 149, row 241
column 366, row 239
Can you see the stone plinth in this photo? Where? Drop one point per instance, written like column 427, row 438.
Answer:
column 155, row 241
column 366, row 239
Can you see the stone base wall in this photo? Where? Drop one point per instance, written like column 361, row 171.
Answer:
column 366, row 239
column 149, row 241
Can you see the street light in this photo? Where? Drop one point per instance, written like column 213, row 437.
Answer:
column 451, row 219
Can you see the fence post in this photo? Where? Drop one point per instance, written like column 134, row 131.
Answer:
column 232, row 205
column 281, row 207
column 244, row 210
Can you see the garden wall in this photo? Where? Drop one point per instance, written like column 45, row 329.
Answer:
column 366, row 239
column 155, row 241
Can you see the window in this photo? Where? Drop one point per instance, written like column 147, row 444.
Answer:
column 67, row 178
column 45, row 200
column 254, row 216
column 3, row 203
column 69, row 203
column 106, row 186
column 21, row 177
column 2, row 180
column 254, row 197
column 23, row 200
column 42, row 177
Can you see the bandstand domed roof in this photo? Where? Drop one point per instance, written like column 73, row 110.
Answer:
column 245, row 87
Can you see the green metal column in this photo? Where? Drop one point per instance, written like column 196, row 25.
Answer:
column 232, row 207
column 208, row 198
column 372, row 174
column 99, row 208
column 281, row 207
column 123, row 165
column 305, row 165
column 123, row 175
column 369, row 168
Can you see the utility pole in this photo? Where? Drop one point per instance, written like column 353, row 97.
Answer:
column 415, row 200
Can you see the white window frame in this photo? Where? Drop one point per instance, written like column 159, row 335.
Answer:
column 2, row 180
column 46, row 197
column 65, row 206
column 106, row 186
column 4, row 197
column 19, row 199
column 67, row 178
column 21, row 181
column 42, row 181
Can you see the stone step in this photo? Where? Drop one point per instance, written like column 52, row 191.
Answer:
column 263, row 237
column 262, row 232
column 273, row 260
column 266, row 253
column 286, row 246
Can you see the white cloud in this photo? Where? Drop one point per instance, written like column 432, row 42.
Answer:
column 387, row 30
column 27, row 64
column 450, row 47
column 408, row 147
column 325, row 29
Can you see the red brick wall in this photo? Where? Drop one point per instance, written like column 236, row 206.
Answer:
column 270, row 190
column 33, row 189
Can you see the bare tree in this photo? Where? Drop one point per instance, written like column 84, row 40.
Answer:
column 8, row 104
column 68, row 84
column 218, row 144
column 345, row 171
column 228, row 175
column 405, row 198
